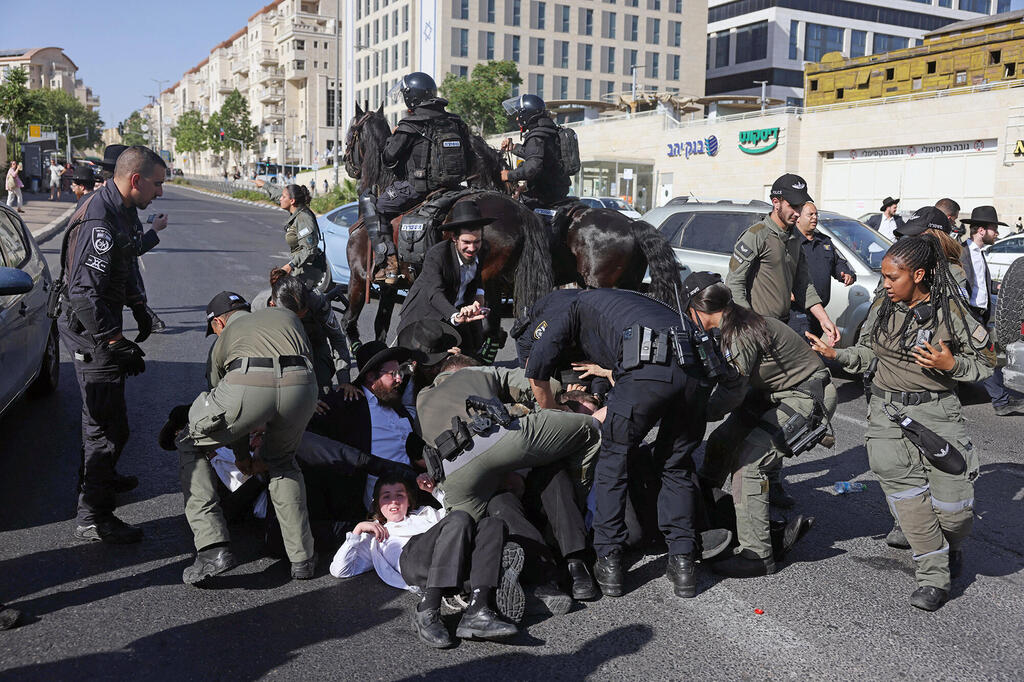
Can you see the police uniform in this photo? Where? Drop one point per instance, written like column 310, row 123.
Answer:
column 98, row 265
column 791, row 380
column 546, row 184
column 302, row 234
column 934, row 509
column 823, row 263
column 261, row 377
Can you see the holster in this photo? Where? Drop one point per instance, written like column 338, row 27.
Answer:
column 939, row 452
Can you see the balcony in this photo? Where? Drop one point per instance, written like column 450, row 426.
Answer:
column 225, row 87
column 267, row 58
column 295, row 69
column 274, row 130
column 272, row 113
column 271, row 95
column 240, row 65
column 269, row 75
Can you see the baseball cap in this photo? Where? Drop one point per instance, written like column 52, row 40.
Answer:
column 923, row 219
column 698, row 281
column 792, row 188
column 222, row 303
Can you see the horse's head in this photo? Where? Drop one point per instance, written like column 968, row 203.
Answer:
column 364, row 142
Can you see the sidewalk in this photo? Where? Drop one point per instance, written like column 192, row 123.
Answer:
column 43, row 217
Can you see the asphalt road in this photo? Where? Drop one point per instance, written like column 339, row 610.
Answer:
column 837, row 609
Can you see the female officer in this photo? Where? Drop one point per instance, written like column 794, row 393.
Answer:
column 924, row 340
column 301, row 232
column 787, row 382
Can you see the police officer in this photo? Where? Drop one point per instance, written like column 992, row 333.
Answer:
column 429, row 150
column 546, row 184
column 787, row 383
column 98, row 268
column 261, row 378
column 307, row 261
column 656, row 375
column 924, row 341
column 824, row 262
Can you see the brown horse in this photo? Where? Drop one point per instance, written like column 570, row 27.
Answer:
column 518, row 258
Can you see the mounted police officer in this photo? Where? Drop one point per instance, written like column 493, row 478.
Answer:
column 428, row 151
column 547, row 182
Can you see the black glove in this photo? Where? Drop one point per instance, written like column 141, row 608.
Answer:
column 128, row 356
column 141, row 314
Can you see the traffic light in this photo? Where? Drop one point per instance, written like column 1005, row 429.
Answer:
column 222, row 135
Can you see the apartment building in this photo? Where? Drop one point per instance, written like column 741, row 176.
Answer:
column 48, row 68
column 769, row 40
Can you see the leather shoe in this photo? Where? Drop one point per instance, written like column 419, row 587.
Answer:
column 896, row 538
column 304, row 570
column 111, row 530
column 509, row 598
column 430, row 629
column 547, row 600
column 682, row 573
column 929, row 598
column 956, row 563
column 123, row 484
column 583, row 587
column 608, row 573
column 484, row 624
column 714, row 542
column 795, row 529
column 744, row 564
column 8, row 617
column 209, row 562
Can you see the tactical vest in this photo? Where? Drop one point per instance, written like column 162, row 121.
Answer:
column 441, row 163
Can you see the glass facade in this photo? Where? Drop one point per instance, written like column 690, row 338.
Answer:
column 885, row 43
column 858, row 43
column 820, row 40
column 752, row 42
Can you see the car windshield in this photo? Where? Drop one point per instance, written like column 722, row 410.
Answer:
column 868, row 244
column 617, row 204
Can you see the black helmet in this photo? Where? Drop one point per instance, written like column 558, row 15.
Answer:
column 525, row 109
column 416, row 88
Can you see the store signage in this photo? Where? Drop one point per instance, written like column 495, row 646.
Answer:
column 1019, row 149
column 758, row 141
column 708, row 146
column 917, row 150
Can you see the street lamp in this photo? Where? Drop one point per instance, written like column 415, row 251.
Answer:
column 160, row 108
column 764, row 89
column 632, row 71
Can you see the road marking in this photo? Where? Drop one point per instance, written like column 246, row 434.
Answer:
column 214, row 220
column 851, row 420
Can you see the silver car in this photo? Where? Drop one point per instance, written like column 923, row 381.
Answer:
column 703, row 237
column 29, row 354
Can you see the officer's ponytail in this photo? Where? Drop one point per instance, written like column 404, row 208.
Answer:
column 736, row 320
column 299, row 194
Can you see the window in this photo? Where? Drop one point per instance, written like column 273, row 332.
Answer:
column 539, row 14
column 916, row 84
column 517, row 12
column 384, row 60
column 960, row 78
column 981, row 6
column 463, row 10
column 794, row 45
column 630, row 58
column 675, row 33
column 562, row 14
column 609, row 24
column 515, row 48
column 839, row 93
column 299, row 44
column 405, row 18
column 820, row 40
column 930, row 67
column 994, row 56
column 330, row 105
column 583, row 92
column 376, row 31
column 752, row 42
column 588, row 57
column 632, row 27
column 461, row 46
column 1010, row 70
column 539, row 52
column 588, row 24
column 562, row 47
column 489, row 14
column 858, row 43
column 676, row 6
column 461, row 71
column 945, row 3
column 12, row 243
column 563, row 86
column 538, row 85
column 885, row 43
column 608, row 59
column 654, row 4
column 1003, row 6
column 653, row 31
column 721, row 49
column 489, row 45
column 890, row 74
column 359, row 71
column 674, row 75
column 405, row 53
column 653, row 63
column 608, row 87
column 814, row 86
column 385, row 21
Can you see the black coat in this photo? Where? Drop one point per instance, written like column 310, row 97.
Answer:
column 348, row 422
column 968, row 265
column 876, row 220
column 432, row 296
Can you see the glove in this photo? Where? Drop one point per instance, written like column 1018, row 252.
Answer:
column 141, row 314
column 128, row 356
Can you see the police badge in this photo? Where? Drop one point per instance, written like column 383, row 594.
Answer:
column 102, row 241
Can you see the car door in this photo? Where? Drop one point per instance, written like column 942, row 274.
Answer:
column 15, row 318
column 1000, row 255
column 335, row 226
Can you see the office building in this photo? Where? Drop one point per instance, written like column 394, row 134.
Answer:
column 48, row 68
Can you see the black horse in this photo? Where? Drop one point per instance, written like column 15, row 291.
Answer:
column 518, row 261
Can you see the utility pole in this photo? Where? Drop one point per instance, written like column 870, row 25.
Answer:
column 67, row 136
column 764, row 98
column 337, row 81
column 632, row 70
column 160, row 109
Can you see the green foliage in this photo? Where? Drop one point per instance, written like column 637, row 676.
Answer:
column 233, row 118
column 190, row 134
column 251, row 195
column 339, row 194
column 478, row 100
column 15, row 106
column 49, row 108
column 132, row 132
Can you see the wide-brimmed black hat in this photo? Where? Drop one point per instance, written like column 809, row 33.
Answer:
column 927, row 217
column 792, row 188
column 373, row 354
column 432, row 338
column 222, row 303
column 466, row 216
column 887, row 202
column 83, row 174
column 110, row 154
column 176, row 421
column 984, row 215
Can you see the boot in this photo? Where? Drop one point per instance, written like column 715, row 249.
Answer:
column 509, row 597
column 956, row 563
column 547, row 600
column 929, row 598
column 583, row 587
column 484, row 624
column 608, row 573
column 744, row 565
column 777, row 495
column 682, row 573
column 111, row 530
column 714, row 542
column 158, row 324
column 304, row 570
column 430, row 629
column 209, row 562
column 896, row 538
column 379, row 229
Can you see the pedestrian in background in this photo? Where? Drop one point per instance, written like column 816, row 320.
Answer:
column 312, row 188
column 823, row 263
column 325, row 186
column 55, row 171
column 887, row 222
column 14, row 185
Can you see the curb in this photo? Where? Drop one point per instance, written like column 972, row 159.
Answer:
column 52, row 228
column 218, row 195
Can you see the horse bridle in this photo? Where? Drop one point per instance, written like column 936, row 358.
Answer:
column 353, row 155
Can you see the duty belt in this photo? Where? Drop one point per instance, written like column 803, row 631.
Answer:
column 642, row 345
column 908, row 398
column 282, row 361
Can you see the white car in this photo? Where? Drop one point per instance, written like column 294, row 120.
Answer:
column 1002, row 253
column 613, row 203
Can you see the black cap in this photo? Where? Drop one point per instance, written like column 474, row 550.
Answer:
column 887, row 202
column 792, row 188
column 222, row 303
column 923, row 219
column 697, row 282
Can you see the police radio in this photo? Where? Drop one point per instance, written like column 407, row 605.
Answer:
column 706, row 349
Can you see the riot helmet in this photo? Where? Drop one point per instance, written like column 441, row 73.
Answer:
column 415, row 89
column 525, row 109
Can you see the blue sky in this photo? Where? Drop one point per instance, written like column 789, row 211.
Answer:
column 119, row 45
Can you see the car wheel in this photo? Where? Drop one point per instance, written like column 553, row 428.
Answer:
column 49, row 371
column 1010, row 305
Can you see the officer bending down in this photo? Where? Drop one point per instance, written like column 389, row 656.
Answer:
column 261, row 377
column 656, row 375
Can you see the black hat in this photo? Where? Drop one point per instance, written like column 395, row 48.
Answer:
column 110, row 154
column 792, row 188
column 83, row 174
column 465, row 215
column 698, row 281
column 373, row 354
column 887, row 202
column 984, row 215
column 176, row 420
column 925, row 218
column 222, row 303
column 430, row 337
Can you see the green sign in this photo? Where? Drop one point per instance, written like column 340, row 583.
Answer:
column 751, row 140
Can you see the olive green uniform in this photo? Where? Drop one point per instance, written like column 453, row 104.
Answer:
column 302, row 234
column 279, row 399
column 537, row 439
column 747, row 444
column 934, row 509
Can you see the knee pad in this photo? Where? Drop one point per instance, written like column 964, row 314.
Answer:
column 918, row 520
column 956, row 520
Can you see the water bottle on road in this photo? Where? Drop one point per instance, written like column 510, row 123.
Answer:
column 842, row 487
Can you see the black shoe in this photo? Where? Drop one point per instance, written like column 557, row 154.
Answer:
column 714, row 542
column 583, row 587
column 896, row 538
column 8, row 617
column 509, row 597
column 124, row 484
column 112, row 530
column 778, row 497
column 744, row 565
column 929, row 598
column 546, row 600
column 682, row 573
column 484, row 624
column 158, row 324
column 795, row 529
column 209, row 562
column 1010, row 408
column 430, row 629
column 304, row 570
column 608, row 573
column 956, row 563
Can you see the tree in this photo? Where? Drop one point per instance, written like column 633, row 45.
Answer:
column 15, row 107
column 49, row 108
column 232, row 118
column 190, row 135
column 478, row 100
column 131, row 130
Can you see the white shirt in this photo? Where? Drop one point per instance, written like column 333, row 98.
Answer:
column 388, row 433
column 55, row 172
column 888, row 227
column 979, row 292
column 467, row 271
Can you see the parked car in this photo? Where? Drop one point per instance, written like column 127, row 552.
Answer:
column 703, row 237
column 334, row 226
column 29, row 353
column 1000, row 255
column 613, row 203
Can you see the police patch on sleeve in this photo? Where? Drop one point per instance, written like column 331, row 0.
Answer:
column 96, row 263
column 304, row 231
column 539, row 331
column 102, row 241
column 743, row 252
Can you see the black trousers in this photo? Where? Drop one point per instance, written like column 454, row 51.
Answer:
column 455, row 553
column 104, row 424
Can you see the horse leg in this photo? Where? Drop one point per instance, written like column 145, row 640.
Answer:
column 350, row 320
column 386, row 305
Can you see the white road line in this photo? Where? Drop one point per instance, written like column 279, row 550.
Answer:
column 851, row 420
